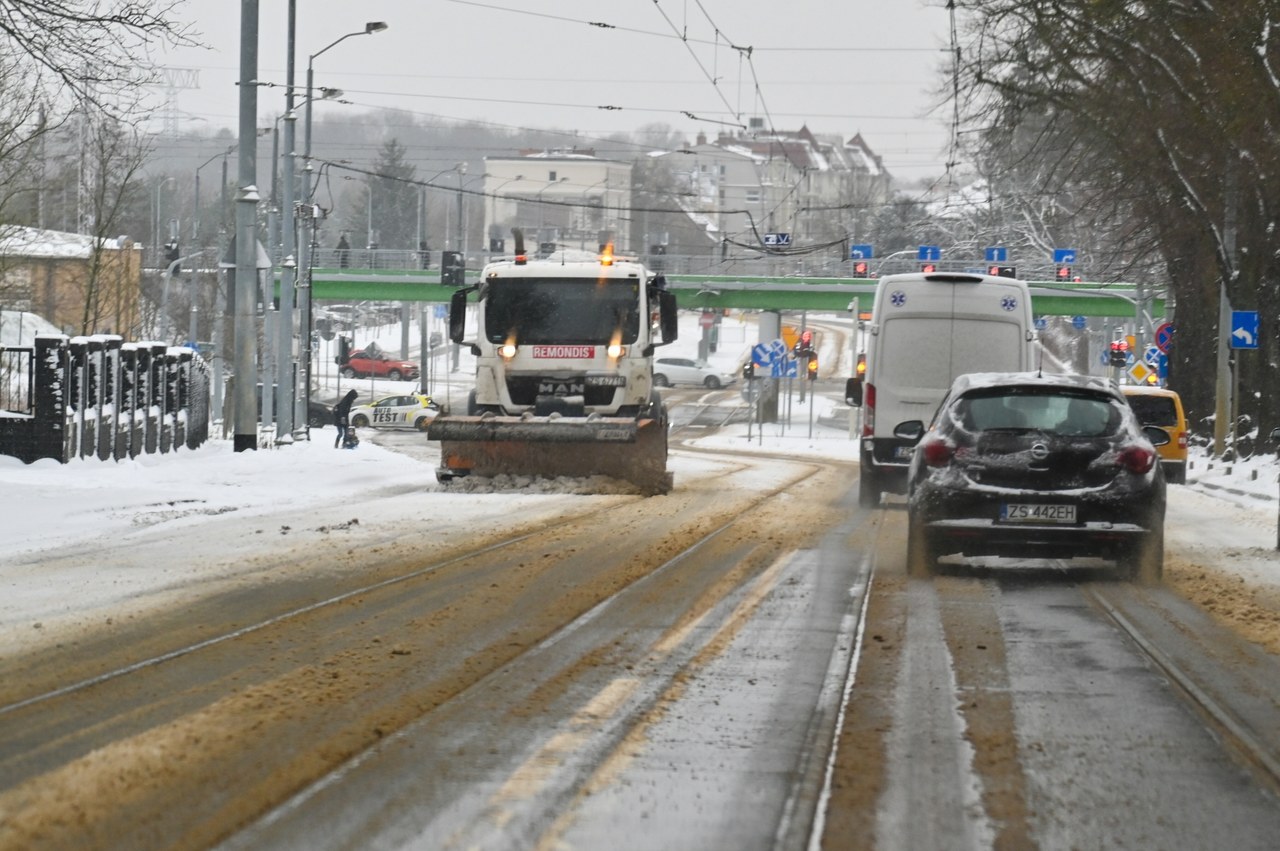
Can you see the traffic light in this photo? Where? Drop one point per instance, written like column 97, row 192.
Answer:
column 1064, row 273
column 813, row 367
column 860, row 268
column 1119, row 353
column 344, row 351
column 1003, row 271
column 749, row 370
column 453, row 273
column 171, row 257
column 861, row 368
column 928, row 268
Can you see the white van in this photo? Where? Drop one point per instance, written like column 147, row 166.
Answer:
column 925, row 330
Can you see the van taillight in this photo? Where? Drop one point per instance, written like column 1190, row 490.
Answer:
column 869, row 411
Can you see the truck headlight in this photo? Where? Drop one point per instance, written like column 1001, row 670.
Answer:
column 615, row 350
column 507, row 351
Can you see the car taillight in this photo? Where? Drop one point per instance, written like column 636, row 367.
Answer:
column 1137, row 459
column 937, row 452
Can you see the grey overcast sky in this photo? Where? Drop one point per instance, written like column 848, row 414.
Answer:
column 858, row 66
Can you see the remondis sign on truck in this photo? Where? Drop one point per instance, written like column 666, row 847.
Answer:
column 925, row 330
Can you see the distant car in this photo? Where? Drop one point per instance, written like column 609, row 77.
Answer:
column 378, row 364
column 412, row 410
column 1160, row 407
column 670, row 371
column 318, row 413
column 1025, row 465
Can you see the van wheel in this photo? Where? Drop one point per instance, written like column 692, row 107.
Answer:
column 868, row 489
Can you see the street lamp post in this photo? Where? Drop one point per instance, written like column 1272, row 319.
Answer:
column 462, row 236
column 493, row 202
column 537, row 199
column 155, row 233
column 582, row 241
column 309, row 245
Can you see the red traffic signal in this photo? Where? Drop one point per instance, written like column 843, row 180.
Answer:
column 928, row 268
column 1064, row 273
column 860, row 268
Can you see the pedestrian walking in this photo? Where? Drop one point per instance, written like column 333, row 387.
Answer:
column 342, row 416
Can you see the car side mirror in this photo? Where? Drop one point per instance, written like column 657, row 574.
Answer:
column 1157, row 436
column 911, row 430
column 1275, row 435
column 853, row 392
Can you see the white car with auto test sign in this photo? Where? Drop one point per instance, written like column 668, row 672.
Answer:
column 410, row 410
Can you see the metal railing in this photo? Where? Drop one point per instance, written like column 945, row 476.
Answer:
column 16, row 380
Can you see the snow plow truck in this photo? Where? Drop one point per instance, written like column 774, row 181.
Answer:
column 564, row 372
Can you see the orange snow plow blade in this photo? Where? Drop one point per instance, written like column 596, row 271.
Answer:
column 631, row 450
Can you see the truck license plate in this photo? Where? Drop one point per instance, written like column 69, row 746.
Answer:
column 1034, row 512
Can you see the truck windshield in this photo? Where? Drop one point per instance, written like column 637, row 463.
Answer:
column 535, row 311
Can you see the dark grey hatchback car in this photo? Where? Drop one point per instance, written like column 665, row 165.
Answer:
column 1035, row 466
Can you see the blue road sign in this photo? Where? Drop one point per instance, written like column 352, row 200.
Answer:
column 1064, row 255
column 1164, row 337
column 1041, row 323
column 761, row 354
column 1244, row 329
column 929, row 252
column 440, row 311
column 861, row 252
column 777, row 239
column 1079, row 323
column 996, row 254
column 778, row 348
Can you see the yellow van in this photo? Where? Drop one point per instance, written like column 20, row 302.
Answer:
column 1160, row 407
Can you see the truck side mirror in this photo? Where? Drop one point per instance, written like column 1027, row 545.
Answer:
column 668, row 321
column 458, row 315
column 853, row 392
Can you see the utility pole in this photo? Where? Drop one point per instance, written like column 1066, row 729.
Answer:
column 287, row 406
column 1222, row 401
column 246, row 406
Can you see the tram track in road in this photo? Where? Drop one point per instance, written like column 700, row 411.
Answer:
column 1230, row 682
column 282, row 699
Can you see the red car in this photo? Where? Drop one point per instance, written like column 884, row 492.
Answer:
column 378, row 364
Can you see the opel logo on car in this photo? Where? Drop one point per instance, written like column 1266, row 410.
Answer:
column 1039, row 451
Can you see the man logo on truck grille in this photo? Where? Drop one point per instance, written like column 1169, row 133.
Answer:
column 552, row 387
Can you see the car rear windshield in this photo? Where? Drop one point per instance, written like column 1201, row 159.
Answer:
column 1154, row 410
column 1049, row 410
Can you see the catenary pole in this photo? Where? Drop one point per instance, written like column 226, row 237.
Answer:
column 246, row 408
